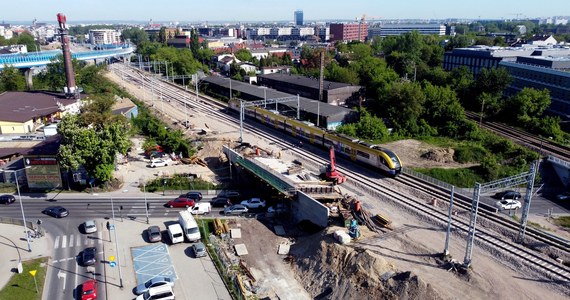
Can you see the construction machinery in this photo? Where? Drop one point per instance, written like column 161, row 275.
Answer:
column 330, row 173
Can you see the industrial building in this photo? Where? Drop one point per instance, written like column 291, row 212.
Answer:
column 347, row 32
column 384, row 30
column 325, row 115
column 334, row 93
column 24, row 112
column 479, row 57
column 551, row 73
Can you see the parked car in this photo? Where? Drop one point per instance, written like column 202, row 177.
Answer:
column 563, row 196
column 153, row 282
column 279, row 208
column 89, row 256
column 154, row 234
column 235, row 209
column 7, row 199
column 196, row 196
column 229, row 194
column 89, row 290
column 507, row 195
column 160, row 163
column 253, row 203
column 90, row 226
column 157, row 293
column 56, row 211
column 199, row 250
column 220, row 202
column 181, row 202
column 508, row 204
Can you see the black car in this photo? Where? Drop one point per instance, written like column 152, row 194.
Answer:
column 196, row 196
column 7, row 199
column 88, row 256
column 56, row 211
column 507, row 195
column 220, row 202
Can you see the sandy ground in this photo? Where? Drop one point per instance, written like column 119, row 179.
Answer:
column 412, row 246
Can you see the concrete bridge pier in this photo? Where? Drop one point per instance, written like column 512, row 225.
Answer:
column 29, row 78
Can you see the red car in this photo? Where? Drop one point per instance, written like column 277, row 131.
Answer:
column 181, row 202
column 89, row 290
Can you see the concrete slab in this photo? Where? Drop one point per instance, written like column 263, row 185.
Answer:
column 283, row 249
column 235, row 233
column 241, row 250
column 279, row 230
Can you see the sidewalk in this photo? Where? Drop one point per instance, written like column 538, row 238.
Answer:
column 13, row 247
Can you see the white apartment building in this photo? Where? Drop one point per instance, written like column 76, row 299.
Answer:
column 104, row 36
column 399, row 29
column 302, row 31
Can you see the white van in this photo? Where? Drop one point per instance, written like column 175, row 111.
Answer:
column 189, row 226
column 201, row 208
column 176, row 234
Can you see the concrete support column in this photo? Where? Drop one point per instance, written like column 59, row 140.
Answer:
column 29, row 79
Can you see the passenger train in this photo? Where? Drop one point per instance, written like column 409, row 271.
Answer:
column 348, row 147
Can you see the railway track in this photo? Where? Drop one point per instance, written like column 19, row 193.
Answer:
column 517, row 251
column 541, row 145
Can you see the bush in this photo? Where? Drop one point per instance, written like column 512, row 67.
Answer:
column 458, row 177
column 179, row 182
column 469, row 153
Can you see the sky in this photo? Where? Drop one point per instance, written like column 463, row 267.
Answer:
column 274, row 10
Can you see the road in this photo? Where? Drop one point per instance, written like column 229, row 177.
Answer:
column 65, row 272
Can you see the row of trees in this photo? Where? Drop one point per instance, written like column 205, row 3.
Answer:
column 22, row 39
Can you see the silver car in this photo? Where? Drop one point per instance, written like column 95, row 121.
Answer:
column 154, row 282
column 199, row 250
column 90, row 226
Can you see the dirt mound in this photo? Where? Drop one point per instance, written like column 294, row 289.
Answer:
column 440, row 155
column 335, row 271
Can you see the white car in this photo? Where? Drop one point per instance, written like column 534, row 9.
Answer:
column 159, row 163
column 90, row 226
column 508, row 204
column 253, row 203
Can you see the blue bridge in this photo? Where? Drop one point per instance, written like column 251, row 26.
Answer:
column 38, row 59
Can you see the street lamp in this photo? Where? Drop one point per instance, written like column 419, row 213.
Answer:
column 230, row 87
column 21, row 204
column 264, row 96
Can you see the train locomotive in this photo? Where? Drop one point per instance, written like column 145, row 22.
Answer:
column 353, row 149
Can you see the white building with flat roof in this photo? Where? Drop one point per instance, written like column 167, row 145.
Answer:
column 399, row 29
column 104, row 36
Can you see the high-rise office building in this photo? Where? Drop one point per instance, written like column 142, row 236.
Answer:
column 298, row 16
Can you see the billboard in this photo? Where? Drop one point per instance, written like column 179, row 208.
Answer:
column 42, row 173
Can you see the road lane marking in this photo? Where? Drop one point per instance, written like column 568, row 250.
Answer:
column 64, row 241
column 71, row 237
column 78, row 241
column 56, row 243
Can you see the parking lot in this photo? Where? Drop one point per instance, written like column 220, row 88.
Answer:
column 196, row 278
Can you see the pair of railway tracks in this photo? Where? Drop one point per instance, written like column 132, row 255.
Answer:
column 553, row 270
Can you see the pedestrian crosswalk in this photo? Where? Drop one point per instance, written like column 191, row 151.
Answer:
column 77, row 240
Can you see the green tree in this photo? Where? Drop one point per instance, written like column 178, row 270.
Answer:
column 53, row 77
column 195, row 42
column 134, row 35
column 404, row 105
column 11, row 79
column 527, row 105
column 442, row 110
column 244, row 55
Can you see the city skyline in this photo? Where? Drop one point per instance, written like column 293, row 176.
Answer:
column 257, row 10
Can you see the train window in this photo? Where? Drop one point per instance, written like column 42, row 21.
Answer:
column 363, row 154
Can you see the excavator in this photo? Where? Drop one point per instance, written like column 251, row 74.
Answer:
column 330, row 173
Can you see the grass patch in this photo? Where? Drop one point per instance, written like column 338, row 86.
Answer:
column 562, row 221
column 21, row 286
column 458, row 177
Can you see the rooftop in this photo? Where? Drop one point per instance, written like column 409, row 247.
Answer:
column 305, row 81
column 24, row 106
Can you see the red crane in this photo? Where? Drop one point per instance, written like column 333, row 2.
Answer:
column 331, row 173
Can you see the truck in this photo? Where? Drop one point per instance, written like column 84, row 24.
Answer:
column 189, row 226
column 175, row 233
